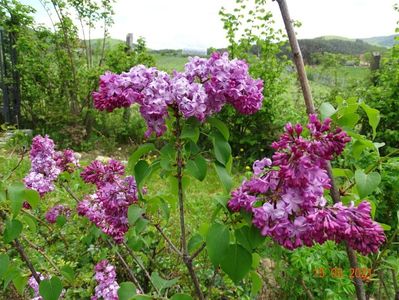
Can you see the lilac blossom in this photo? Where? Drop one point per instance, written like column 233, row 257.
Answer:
column 55, row 211
column 47, row 164
column 107, row 208
column 35, row 286
column 107, row 286
column 288, row 193
column 200, row 91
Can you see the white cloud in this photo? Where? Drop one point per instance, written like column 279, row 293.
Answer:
column 196, row 24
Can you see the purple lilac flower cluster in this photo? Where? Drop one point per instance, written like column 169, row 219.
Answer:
column 107, row 287
column 47, row 164
column 107, row 208
column 200, row 91
column 35, row 286
column 285, row 194
column 57, row 210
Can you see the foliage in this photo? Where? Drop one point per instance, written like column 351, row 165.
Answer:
column 249, row 26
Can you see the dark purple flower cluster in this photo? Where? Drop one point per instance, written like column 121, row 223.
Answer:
column 47, row 164
column 57, row 210
column 107, row 208
column 285, row 194
column 107, row 287
column 200, row 91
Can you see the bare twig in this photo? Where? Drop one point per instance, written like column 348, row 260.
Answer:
column 141, row 266
column 196, row 253
column 17, row 165
column 307, row 94
column 69, row 191
column 186, row 256
column 25, row 258
column 123, row 261
column 38, row 249
column 308, row 292
column 174, row 248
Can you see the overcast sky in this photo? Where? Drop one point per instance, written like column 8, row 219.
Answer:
column 196, row 23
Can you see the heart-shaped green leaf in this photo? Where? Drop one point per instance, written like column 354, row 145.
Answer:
column 366, row 183
column 50, row 289
column 236, row 262
column 12, row 231
column 127, row 291
column 217, row 242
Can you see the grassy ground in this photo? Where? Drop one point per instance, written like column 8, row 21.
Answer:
column 170, row 63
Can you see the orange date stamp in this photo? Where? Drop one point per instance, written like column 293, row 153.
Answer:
column 337, row 272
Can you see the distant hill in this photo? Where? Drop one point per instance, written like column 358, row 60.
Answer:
column 382, row 41
column 109, row 42
column 335, row 45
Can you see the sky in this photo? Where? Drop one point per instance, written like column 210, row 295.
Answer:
column 195, row 24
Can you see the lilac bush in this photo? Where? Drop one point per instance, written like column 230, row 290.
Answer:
column 285, row 194
column 200, row 91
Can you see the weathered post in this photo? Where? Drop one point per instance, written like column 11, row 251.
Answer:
column 307, row 94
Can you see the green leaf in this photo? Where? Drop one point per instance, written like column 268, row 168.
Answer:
column 348, row 120
column 12, row 231
column 181, row 297
column 20, row 283
column 220, row 126
column 373, row 115
column 136, row 155
column 222, row 200
column 236, row 262
column 161, row 283
column 4, row 261
column 195, row 242
column 168, row 152
column 386, row 227
column 221, row 148
column 50, row 289
column 68, row 273
column 32, row 197
column 141, row 171
column 191, row 130
column 337, row 172
column 134, row 213
column 141, row 225
column 366, row 183
column 16, row 194
column 197, row 167
column 31, row 222
column 326, row 110
column 61, row 220
column 224, row 177
column 126, row 291
column 249, row 237
column 217, row 242
column 256, row 283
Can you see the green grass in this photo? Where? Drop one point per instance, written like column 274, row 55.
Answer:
column 170, row 63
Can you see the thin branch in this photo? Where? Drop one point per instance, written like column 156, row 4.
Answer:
column 141, row 266
column 186, row 256
column 69, row 191
column 17, row 166
column 308, row 292
column 38, row 249
column 196, row 253
column 174, row 248
column 123, row 261
column 22, row 253
column 25, row 258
